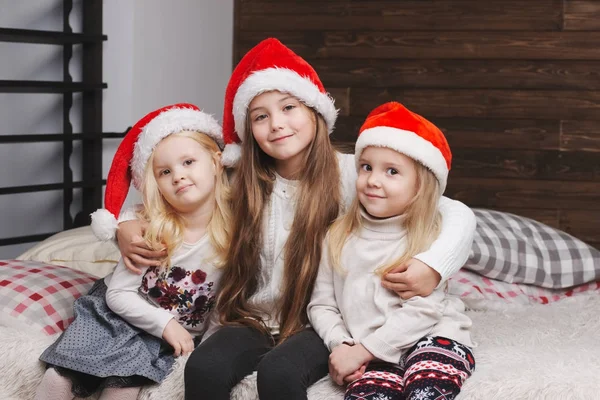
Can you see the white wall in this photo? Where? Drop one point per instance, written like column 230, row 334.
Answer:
column 158, row 52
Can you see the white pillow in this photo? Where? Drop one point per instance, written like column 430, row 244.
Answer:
column 77, row 249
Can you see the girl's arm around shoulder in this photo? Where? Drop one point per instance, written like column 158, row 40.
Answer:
column 123, row 299
column 132, row 246
column 449, row 252
column 405, row 326
column 323, row 311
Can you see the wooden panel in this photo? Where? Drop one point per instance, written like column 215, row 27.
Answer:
column 582, row 15
column 237, row 15
column 582, row 224
column 488, row 74
column 526, row 164
column 522, row 134
column 436, row 45
column 542, row 104
column 306, row 44
column 496, row 134
column 346, row 129
column 580, row 135
column 342, row 100
column 486, row 192
column 403, row 15
column 439, row 45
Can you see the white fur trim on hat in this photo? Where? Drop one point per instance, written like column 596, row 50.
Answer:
column 408, row 143
column 104, row 224
column 283, row 80
column 231, row 154
column 171, row 121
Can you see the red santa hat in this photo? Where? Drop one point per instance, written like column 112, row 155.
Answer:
column 134, row 151
column 269, row 66
column 393, row 126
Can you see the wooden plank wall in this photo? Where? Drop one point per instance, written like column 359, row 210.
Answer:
column 514, row 84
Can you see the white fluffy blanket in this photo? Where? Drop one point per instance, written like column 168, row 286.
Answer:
column 537, row 352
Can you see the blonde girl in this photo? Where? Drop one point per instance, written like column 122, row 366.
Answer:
column 418, row 349
column 128, row 328
column 289, row 186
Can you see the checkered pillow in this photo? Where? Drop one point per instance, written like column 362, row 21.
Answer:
column 516, row 249
column 38, row 295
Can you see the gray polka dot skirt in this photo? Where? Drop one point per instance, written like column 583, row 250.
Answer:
column 100, row 349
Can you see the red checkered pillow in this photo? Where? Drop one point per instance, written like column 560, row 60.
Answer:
column 38, row 295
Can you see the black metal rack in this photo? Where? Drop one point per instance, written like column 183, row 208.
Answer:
column 90, row 87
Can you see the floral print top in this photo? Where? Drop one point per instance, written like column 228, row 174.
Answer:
column 185, row 292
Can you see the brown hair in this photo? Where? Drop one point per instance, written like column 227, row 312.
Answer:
column 318, row 204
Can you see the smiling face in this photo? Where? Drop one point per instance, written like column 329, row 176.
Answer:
column 185, row 173
column 283, row 127
column 387, row 181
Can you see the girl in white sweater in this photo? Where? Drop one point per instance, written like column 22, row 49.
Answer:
column 128, row 328
column 385, row 347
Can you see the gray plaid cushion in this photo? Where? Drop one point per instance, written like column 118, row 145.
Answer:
column 516, row 249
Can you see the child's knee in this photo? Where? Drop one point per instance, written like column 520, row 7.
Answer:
column 199, row 372
column 274, row 366
column 275, row 372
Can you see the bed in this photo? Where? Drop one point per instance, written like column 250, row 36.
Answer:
column 533, row 293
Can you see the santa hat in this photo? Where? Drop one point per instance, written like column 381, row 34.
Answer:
column 134, row 151
column 393, row 126
column 269, row 66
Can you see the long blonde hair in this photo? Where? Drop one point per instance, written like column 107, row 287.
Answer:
column 422, row 223
column 165, row 226
column 318, row 204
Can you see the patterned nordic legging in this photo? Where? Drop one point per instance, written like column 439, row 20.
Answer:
column 433, row 369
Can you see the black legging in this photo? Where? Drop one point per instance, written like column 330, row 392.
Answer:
column 284, row 372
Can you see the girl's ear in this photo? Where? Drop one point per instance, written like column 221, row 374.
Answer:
column 216, row 161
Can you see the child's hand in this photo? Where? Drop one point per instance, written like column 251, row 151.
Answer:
column 345, row 361
column 356, row 375
column 179, row 338
column 133, row 248
column 415, row 278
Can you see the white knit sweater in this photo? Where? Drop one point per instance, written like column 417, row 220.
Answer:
column 349, row 305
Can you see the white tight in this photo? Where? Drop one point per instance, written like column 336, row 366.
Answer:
column 54, row 387
column 130, row 393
